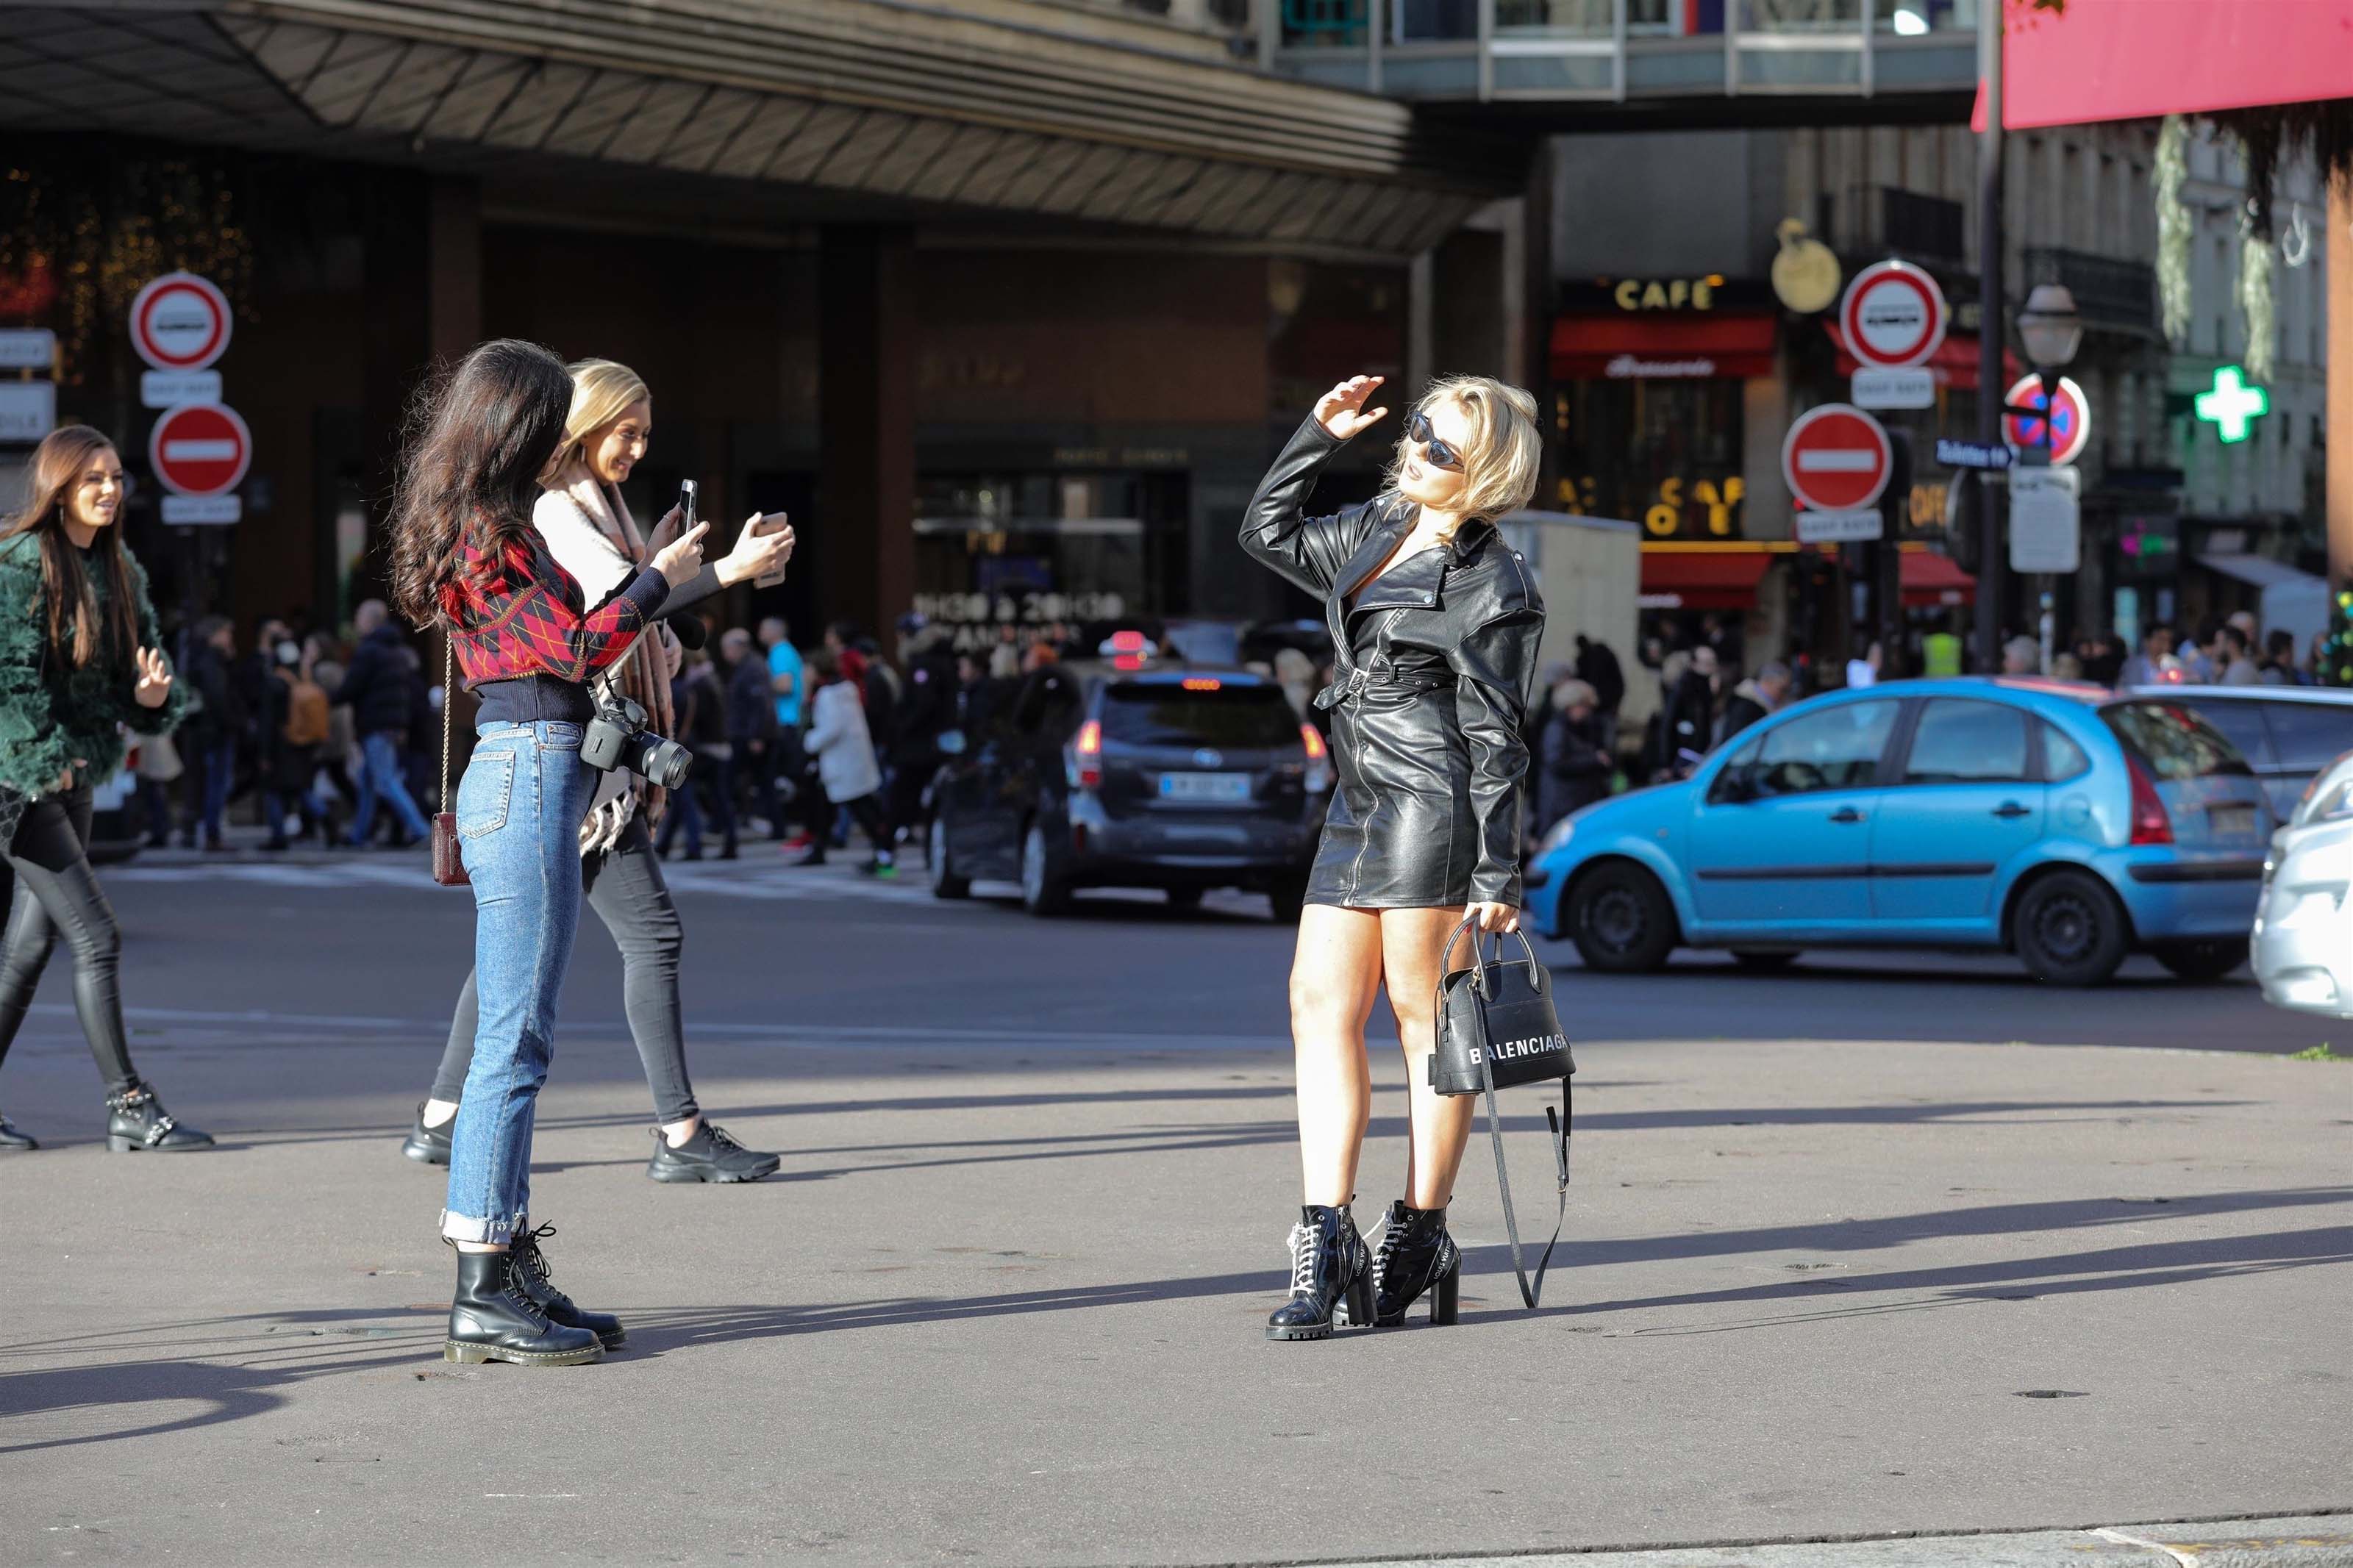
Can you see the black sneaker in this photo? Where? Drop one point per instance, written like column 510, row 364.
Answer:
column 429, row 1145
column 13, row 1142
column 709, row 1156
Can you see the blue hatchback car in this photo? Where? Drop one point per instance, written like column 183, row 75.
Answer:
column 2058, row 821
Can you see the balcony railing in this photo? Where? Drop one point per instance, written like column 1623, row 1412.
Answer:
column 1613, row 50
column 1885, row 220
column 2118, row 295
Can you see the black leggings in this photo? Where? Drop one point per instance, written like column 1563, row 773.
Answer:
column 624, row 885
column 57, row 891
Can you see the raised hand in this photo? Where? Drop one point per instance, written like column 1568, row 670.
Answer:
column 680, row 560
column 1341, row 411
column 758, row 555
column 155, row 679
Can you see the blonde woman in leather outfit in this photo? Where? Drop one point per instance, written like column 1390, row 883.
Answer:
column 1435, row 623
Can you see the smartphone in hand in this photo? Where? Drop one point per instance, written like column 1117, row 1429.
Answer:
column 762, row 526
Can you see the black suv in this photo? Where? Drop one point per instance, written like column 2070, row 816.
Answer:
column 1091, row 775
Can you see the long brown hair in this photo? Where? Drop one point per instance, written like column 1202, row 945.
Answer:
column 77, row 632
column 480, row 437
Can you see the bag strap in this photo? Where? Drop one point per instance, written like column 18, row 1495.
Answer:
column 449, row 708
column 1529, row 1293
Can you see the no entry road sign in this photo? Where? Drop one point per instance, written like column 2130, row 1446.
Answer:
column 2071, row 420
column 180, row 321
column 200, row 449
column 1836, row 458
column 1893, row 316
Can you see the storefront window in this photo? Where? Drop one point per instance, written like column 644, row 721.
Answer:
column 1021, row 556
column 1663, row 453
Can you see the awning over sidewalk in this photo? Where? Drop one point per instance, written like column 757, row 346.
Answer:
column 1702, row 579
column 1954, row 364
column 1929, row 580
column 2257, row 571
column 1735, row 344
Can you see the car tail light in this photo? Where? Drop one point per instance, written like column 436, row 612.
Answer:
column 1089, row 747
column 1313, row 742
column 1203, row 683
column 2150, row 824
column 1319, row 770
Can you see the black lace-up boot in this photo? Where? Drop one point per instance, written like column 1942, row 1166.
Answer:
column 494, row 1318
column 1330, row 1267
column 136, row 1119
column 15, row 1141
column 532, row 1274
column 429, row 1145
column 1417, row 1255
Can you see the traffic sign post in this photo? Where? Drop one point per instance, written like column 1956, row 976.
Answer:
column 1836, row 458
column 2045, row 520
column 1859, row 526
column 180, row 321
column 1972, row 455
column 1893, row 317
column 170, row 388
column 200, row 449
column 1877, row 388
column 2033, row 423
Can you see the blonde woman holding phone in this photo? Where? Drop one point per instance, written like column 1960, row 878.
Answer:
column 1435, row 623
column 581, row 516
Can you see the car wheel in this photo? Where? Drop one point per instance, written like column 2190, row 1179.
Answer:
column 1042, row 891
column 1620, row 919
column 2205, row 960
column 1764, row 960
column 1288, row 898
column 945, row 883
column 2070, row 929
column 1186, row 898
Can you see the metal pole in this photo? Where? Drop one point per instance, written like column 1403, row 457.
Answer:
column 1992, row 569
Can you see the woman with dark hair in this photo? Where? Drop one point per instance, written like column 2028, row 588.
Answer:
column 466, row 558
column 77, row 664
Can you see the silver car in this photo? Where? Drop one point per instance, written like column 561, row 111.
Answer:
column 2303, row 944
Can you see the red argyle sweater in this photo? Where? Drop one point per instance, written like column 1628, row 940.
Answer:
column 522, row 614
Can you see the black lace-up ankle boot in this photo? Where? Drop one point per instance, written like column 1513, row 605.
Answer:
column 494, row 1318
column 1331, row 1268
column 1417, row 1255
column 532, row 1274
column 136, row 1119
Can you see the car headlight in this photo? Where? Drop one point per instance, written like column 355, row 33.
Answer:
column 1562, row 831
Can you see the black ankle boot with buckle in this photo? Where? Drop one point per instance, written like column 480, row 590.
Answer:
column 1417, row 1255
column 532, row 1274
column 494, row 1318
column 136, row 1119
column 1330, row 1269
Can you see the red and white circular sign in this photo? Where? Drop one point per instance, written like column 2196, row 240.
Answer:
column 2070, row 417
column 1836, row 458
column 1893, row 316
column 200, row 449
column 180, row 321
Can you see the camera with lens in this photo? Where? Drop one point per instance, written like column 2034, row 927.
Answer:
column 617, row 738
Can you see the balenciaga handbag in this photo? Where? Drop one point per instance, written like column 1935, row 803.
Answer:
column 448, row 857
column 1497, row 1029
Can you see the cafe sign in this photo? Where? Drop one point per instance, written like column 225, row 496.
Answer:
column 1667, row 294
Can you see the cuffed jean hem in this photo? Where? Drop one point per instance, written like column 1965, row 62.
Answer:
column 500, row 1232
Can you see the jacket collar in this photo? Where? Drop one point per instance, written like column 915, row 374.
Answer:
column 1418, row 581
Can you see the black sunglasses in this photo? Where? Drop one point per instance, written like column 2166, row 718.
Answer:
column 1440, row 454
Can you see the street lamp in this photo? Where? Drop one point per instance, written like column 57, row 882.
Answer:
column 2050, row 327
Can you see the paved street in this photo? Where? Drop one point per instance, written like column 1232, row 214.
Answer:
column 1854, row 1251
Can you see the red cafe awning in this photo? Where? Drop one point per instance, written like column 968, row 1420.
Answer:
column 1702, row 579
column 1687, row 346
column 1929, row 580
column 1954, row 362
column 2129, row 60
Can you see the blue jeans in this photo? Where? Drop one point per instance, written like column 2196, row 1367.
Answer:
column 519, row 810
column 381, row 775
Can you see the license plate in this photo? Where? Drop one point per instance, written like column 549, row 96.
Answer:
column 1223, row 789
column 2233, row 819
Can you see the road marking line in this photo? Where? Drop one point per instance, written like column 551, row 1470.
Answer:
column 2187, row 1560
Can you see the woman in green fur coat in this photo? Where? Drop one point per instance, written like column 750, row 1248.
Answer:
column 80, row 662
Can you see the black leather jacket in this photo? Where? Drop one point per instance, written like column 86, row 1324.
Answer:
column 1433, row 667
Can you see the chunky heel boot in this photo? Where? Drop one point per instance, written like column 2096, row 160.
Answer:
column 532, row 1274
column 429, row 1145
column 1330, row 1265
column 135, row 1120
column 493, row 1318
column 1417, row 1255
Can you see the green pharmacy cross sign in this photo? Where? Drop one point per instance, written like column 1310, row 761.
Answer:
column 2232, row 406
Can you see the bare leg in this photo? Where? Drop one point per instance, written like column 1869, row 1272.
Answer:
column 1333, row 977
column 1412, row 959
